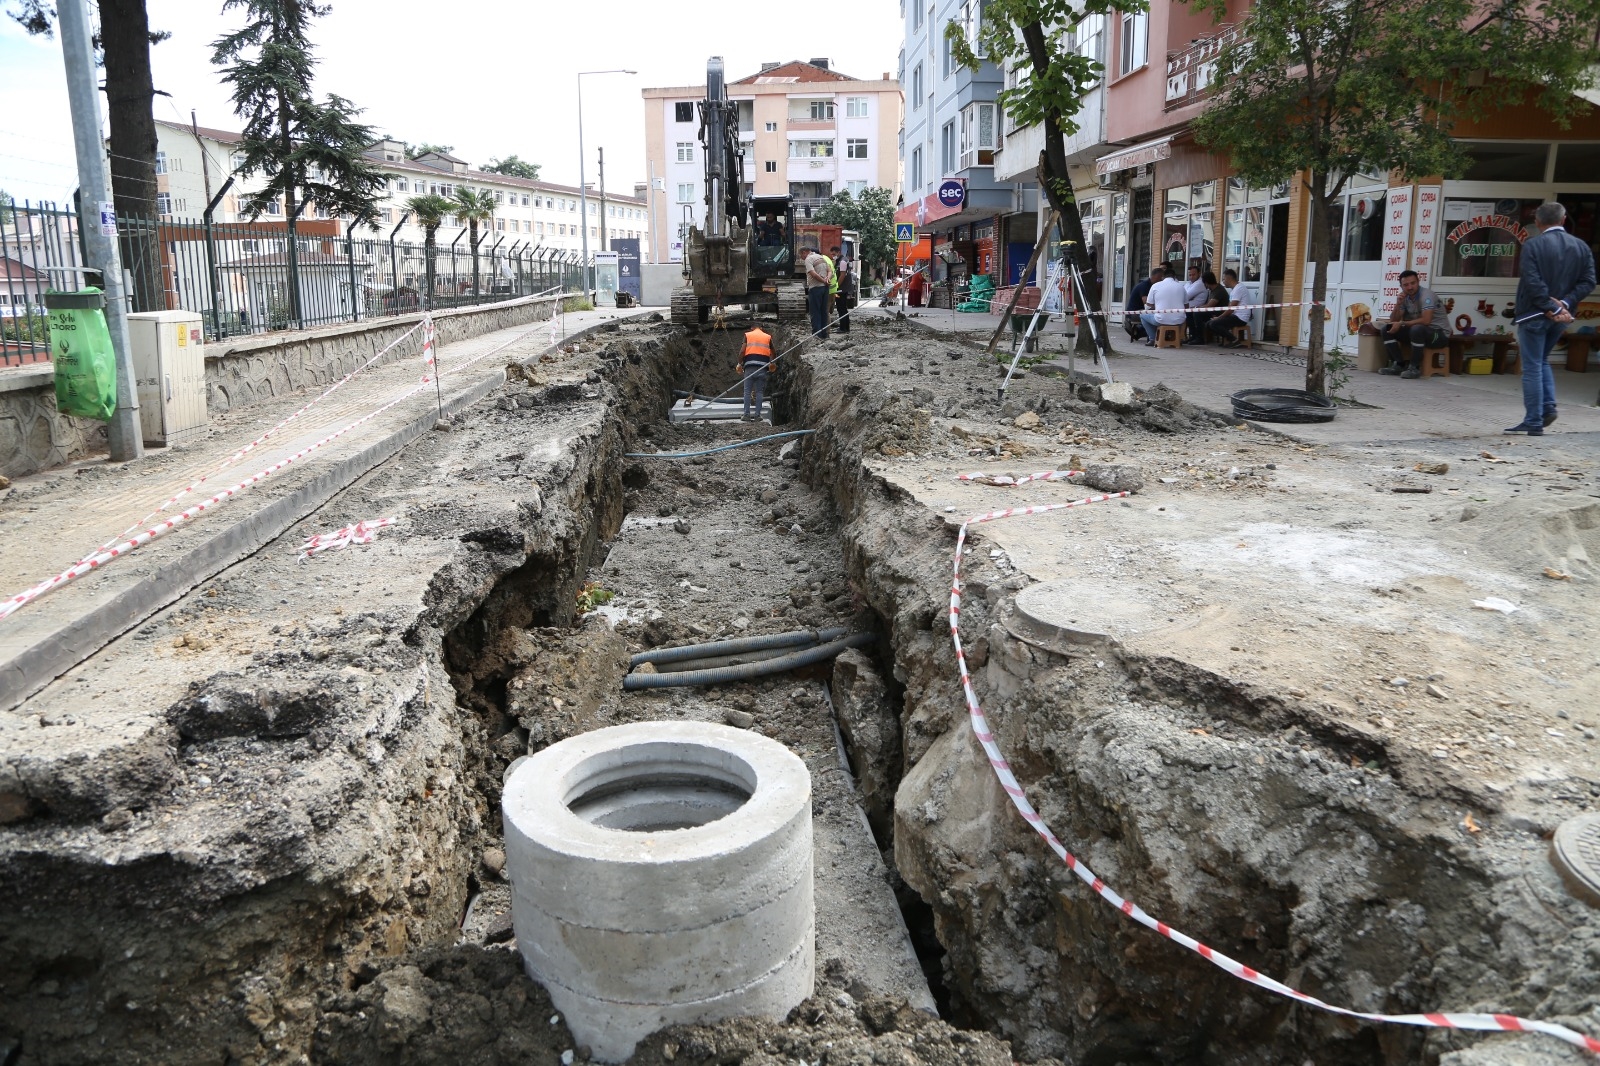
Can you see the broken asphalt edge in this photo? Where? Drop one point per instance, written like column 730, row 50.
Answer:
column 77, row 639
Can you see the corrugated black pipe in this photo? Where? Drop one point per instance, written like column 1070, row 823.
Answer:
column 726, row 674
column 737, row 644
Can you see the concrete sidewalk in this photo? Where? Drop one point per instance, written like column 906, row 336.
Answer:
column 50, row 521
column 1386, row 408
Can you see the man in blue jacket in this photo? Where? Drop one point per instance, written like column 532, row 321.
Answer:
column 1557, row 273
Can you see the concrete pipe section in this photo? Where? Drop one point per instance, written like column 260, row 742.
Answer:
column 661, row 874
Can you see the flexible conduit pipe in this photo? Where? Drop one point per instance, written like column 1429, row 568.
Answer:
column 713, row 451
column 725, row 674
column 736, row 659
column 736, row 645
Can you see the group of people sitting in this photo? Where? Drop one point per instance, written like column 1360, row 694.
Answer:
column 1201, row 307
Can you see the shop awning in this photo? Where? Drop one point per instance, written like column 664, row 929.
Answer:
column 1140, row 154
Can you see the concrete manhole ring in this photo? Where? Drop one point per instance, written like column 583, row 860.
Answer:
column 661, row 873
column 1575, row 851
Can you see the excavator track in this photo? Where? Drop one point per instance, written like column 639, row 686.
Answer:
column 685, row 307
column 792, row 305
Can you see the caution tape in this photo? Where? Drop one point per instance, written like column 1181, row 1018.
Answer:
column 1019, row 799
column 363, row 532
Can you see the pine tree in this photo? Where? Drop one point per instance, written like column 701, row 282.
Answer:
column 310, row 153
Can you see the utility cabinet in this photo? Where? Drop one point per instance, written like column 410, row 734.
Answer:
column 169, row 368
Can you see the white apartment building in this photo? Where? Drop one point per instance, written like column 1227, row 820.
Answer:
column 808, row 132
column 193, row 163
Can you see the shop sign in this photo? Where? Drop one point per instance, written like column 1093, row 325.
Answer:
column 1396, row 247
column 953, row 193
column 1430, row 198
column 1483, row 221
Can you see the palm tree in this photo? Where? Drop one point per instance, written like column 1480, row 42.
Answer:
column 430, row 212
column 473, row 206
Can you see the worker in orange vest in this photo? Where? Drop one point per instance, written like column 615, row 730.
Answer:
column 753, row 363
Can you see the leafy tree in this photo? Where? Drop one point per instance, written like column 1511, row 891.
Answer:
column 1034, row 36
column 513, row 167
column 309, row 152
column 124, row 43
column 430, row 212
column 5, row 206
column 872, row 215
column 416, row 151
column 1323, row 91
column 475, row 207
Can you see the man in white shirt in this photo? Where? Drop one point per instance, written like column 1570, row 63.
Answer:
column 1195, row 296
column 1166, row 305
column 1239, row 312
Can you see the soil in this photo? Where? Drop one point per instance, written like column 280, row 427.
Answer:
column 309, row 755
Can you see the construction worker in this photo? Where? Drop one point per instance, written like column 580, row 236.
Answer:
column 753, row 363
column 833, row 288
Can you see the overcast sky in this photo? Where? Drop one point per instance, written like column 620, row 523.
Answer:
column 492, row 79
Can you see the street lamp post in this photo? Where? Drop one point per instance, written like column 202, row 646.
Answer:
column 583, row 189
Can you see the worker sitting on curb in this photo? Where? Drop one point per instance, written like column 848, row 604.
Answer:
column 753, row 363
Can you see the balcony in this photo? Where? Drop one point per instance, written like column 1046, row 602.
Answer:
column 1192, row 72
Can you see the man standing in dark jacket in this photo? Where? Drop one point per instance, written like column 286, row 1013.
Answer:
column 1557, row 273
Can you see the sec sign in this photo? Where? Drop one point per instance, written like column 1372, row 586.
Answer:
column 952, row 194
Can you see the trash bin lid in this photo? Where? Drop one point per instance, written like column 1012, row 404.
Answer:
column 82, row 300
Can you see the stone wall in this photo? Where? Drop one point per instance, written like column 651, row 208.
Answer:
column 245, row 370
column 34, row 436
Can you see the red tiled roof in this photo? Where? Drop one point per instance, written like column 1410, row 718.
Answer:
column 799, row 70
column 11, row 268
column 224, row 136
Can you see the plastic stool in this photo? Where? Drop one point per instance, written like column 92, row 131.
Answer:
column 1435, row 361
column 1241, row 335
column 1169, row 336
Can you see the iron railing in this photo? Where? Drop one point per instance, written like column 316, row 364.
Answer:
column 1192, row 72
column 243, row 278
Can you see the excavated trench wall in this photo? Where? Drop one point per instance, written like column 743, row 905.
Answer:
column 1294, row 842
column 188, row 893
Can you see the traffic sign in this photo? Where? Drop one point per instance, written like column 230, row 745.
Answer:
column 905, row 232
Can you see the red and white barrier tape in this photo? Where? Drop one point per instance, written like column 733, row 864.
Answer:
column 128, row 544
column 363, row 532
column 253, row 445
column 1019, row 799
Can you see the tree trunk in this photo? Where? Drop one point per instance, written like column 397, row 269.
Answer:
column 472, row 238
column 1056, row 183
column 290, row 210
column 130, row 93
column 429, row 252
column 1321, row 237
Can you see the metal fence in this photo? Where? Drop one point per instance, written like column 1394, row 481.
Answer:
column 245, row 278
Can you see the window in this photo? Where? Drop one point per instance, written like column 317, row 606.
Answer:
column 855, row 188
column 855, row 107
column 1364, row 220
column 977, row 136
column 916, row 15
column 972, row 24
column 1505, row 161
column 947, row 148
column 772, row 127
column 274, row 208
column 388, row 214
column 822, row 111
column 524, row 201
column 538, row 227
column 499, row 197
column 594, row 231
column 855, row 148
column 686, row 151
column 236, row 161
column 1135, row 39
column 400, row 185
column 1088, row 38
column 810, row 149
column 563, row 228
column 771, row 166
column 1482, row 239
column 249, row 247
column 683, row 111
column 163, row 203
column 500, row 224
column 1577, row 162
column 686, row 192
column 916, row 87
column 916, row 168
column 593, row 209
column 947, row 56
column 161, row 162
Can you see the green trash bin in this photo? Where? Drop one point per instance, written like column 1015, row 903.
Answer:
column 80, row 347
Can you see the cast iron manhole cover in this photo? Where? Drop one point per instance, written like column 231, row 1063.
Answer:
column 1576, row 854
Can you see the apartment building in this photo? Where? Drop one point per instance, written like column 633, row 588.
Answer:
column 1149, row 193
column 980, row 222
column 193, row 163
column 808, row 131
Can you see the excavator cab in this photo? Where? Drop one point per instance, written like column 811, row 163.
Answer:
column 772, row 222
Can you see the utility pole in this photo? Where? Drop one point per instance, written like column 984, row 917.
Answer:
column 602, row 199
column 94, row 202
column 205, row 158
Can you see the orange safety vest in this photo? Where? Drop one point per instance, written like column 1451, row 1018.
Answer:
column 757, row 346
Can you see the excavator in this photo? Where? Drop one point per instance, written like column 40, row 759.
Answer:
column 745, row 253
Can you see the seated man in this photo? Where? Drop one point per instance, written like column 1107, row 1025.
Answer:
column 1136, row 304
column 1221, row 328
column 1166, row 303
column 769, row 231
column 1419, row 317
column 1195, row 294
